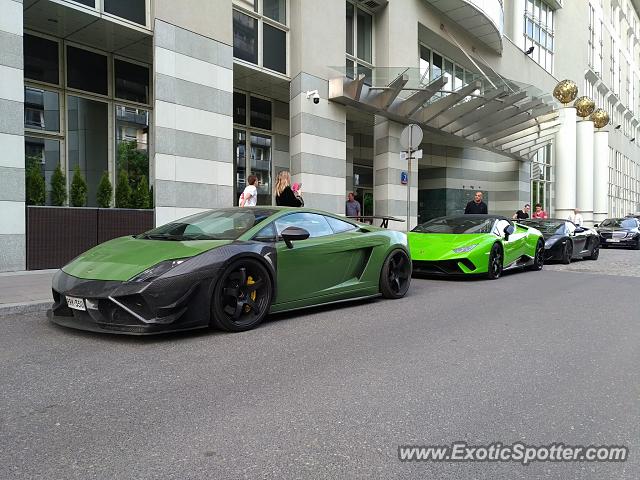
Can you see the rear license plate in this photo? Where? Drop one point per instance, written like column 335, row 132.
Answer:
column 76, row 303
column 613, row 240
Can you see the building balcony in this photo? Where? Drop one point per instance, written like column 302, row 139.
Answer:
column 484, row 19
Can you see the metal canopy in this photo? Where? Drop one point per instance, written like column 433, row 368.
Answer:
column 502, row 116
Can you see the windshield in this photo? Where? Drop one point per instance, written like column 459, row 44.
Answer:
column 223, row 224
column 547, row 227
column 619, row 223
column 457, row 225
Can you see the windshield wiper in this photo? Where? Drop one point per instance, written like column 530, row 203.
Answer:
column 161, row 236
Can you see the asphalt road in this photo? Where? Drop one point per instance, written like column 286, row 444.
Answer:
column 537, row 357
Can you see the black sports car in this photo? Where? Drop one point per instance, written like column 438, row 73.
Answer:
column 620, row 232
column 565, row 241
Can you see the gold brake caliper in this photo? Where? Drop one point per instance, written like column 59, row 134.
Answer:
column 252, row 295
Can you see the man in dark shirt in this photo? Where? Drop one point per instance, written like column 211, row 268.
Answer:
column 522, row 214
column 476, row 205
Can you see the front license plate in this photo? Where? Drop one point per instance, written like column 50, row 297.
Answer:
column 613, row 240
column 76, row 303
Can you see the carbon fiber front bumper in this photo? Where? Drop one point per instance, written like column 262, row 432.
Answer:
column 136, row 308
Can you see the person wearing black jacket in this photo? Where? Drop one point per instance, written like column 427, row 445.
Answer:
column 284, row 195
column 476, row 205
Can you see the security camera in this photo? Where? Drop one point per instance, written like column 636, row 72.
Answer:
column 313, row 94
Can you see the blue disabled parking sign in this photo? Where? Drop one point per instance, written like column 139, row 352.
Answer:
column 404, row 178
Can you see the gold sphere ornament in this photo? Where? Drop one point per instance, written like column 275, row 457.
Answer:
column 599, row 118
column 584, row 106
column 566, row 91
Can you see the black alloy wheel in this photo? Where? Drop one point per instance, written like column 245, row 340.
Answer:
column 395, row 276
column 567, row 253
column 538, row 258
column 637, row 245
column 242, row 297
column 595, row 253
column 495, row 262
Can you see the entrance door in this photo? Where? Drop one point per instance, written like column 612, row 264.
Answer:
column 257, row 162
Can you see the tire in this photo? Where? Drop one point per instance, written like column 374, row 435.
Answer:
column 242, row 296
column 395, row 276
column 538, row 257
column 595, row 253
column 567, row 253
column 496, row 262
column 637, row 245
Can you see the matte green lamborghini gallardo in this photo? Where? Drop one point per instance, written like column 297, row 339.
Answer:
column 228, row 268
column 474, row 244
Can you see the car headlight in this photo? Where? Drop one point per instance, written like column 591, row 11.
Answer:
column 468, row 248
column 157, row 270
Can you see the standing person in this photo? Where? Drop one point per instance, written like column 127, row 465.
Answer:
column 576, row 217
column 284, row 194
column 522, row 214
column 249, row 197
column 297, row 191
column 539, row 213
column 476, row 205
column 353, row 208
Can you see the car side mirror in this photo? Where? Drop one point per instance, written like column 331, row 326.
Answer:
column 290, row 234
column 595, row 225
column 508, row 230
column 579, row 230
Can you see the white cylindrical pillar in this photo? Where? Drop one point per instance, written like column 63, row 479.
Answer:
column 515, row 25
column 600, row 176
column 584, row 170
column 565, row 163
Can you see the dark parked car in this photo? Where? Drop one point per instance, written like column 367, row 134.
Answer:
column 565, row 241
column 620, row 232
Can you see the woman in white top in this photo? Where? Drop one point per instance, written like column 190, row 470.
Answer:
column 249, row 197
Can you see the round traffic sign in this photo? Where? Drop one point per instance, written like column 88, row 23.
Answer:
column 411, row 137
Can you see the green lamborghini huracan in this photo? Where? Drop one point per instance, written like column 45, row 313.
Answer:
column 474, row 244
column 228, row 268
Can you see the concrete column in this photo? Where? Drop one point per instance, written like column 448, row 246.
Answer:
column 193, row 107
column 600, row 176
column 514, row 21
column 12, row 184
column 584, row 169
column 565, row 163
column 389, row 194
column 318, row 144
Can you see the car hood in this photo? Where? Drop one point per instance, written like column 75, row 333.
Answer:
column 123, row 258
column 435, row 246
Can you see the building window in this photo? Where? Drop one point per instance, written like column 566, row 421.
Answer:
column 41, row 110
column 260, row 33
column 245, row 37
column 359, row 40
column 108, row 108
column 275, row 10
column 541, row 181
column 87, row 71
column 131, row 81
column 539, row 34
column 260, row 113
column 132, row 145
column 132, row 10
column 41, row 59
column 433, row 66
column 42, row 156
column 88, row 141
column 275, row 48
column 258, row 144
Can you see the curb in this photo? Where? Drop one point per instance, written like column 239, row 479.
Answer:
column 24, row 307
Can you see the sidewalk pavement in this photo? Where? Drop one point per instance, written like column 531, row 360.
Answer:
column 24, row 292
